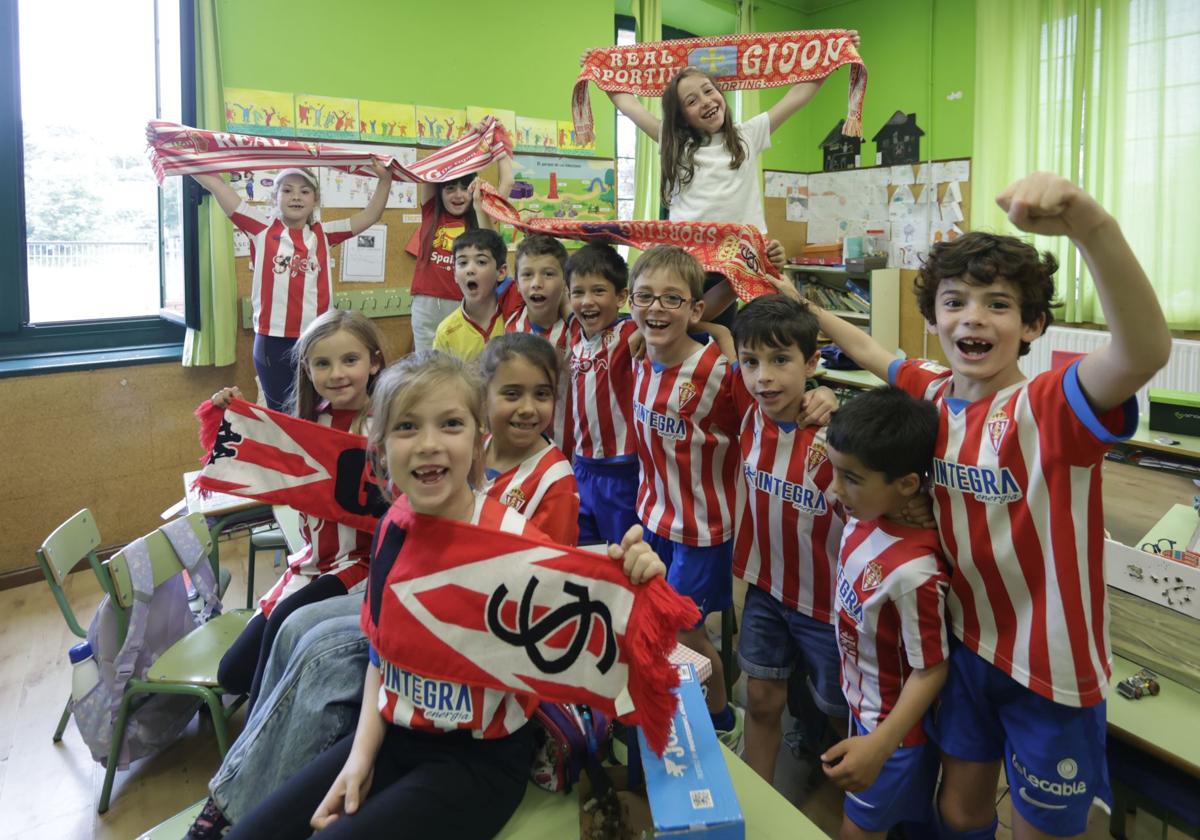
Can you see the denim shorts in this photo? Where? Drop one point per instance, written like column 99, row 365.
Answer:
column 774, row 636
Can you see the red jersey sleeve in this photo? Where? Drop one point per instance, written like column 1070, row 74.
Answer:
column 920, row 378
column 248, row 220
column 922, row 610
column 558, row 514
column 336, row 231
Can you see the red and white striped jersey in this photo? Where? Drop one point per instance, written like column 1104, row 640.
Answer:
column 890, row 616
column 790, row 525
column 562, row 334
column 291, row 283
column 602, row 392
column 542, row 489
column 433, row 705
column 330, row 548
column 684, row 421
column 1019, row 510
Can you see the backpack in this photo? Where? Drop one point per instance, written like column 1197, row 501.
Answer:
column 158, row 618
column 567, row 739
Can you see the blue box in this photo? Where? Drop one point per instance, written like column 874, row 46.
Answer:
column 690, row 792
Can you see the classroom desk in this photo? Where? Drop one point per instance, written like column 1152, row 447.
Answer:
column 850, row 378
column 1188, row 447
column 1164, row 726
column 224, row 513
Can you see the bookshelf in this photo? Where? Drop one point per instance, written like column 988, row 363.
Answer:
column 869, row 299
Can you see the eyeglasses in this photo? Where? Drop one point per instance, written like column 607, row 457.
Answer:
column 668, row 301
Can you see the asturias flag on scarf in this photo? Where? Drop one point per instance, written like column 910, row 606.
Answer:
column 482, row 607
column 281, row 460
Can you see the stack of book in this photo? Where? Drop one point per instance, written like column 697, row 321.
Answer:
column 851, row 299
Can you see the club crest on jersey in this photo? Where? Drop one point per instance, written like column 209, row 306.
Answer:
column 997, row 425
column 848, row 600
column 514, row 498
column 686, row 392
column 816, row 456
column 872, row 576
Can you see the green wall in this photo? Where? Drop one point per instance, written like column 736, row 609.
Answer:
column 901, row 42
column 521, row 55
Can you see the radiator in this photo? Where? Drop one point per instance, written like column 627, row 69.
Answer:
column 1182, row 372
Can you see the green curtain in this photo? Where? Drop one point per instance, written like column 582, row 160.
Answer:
column 646, row 202
column 1100, row 92
column 215, row 343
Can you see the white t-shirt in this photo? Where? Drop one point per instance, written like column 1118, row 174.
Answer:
column 720, row 194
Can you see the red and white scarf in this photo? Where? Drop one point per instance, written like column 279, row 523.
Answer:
column 737, row 251
column 275, row 458
column 482, row 607
column 735, row 62
column 180, row 150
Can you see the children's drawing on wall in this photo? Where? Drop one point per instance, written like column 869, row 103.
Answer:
column 562, row 188
column 387, row 122
column 341, row 189
column 266, row 112
column 568, row 143
column 536, row 135
column 255, row 187
column 506, row 118
column 439, row 126
column 326, row 117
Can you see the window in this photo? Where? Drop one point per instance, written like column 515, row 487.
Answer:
column 94, row 249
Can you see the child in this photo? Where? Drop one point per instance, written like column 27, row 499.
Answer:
column 890, row 617
column 789, row 528
column 1018, row 504
column 447, row 210
column 521, row 468
column 480, row 262
column 541, row 266
column 709, row 165
column 606, row 465
column 292, row 284
column 337, row 359
column 462, row 779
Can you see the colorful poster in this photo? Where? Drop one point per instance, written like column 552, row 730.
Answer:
column 536, row 135
column 387, row 122
column 341, row 189
column 439, row 126
column 259, row 112
column 564, row 188
column 508, row 119
column 254, row 187
column 326, row 117
column 569, row 145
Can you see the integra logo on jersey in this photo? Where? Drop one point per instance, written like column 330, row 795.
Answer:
column 438, row 700
column 663, row 424
column 802, row 498
column 848, row 598
column 988, row 485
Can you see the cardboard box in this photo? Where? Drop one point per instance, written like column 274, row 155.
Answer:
column 1175, row 411
column 690, row 792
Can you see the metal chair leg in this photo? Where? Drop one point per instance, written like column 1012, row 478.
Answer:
column 114, row 752
column 62, row 722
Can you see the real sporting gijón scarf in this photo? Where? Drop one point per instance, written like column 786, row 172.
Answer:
column 180, row 150
column 481, row 607
column 282, row 460
column 737, row 251
column 735, row 62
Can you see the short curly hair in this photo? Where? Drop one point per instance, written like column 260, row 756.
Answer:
column 980, row 258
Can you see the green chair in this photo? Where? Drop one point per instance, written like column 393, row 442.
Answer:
column 72, row 541
column 188, row 667
column 284, row 536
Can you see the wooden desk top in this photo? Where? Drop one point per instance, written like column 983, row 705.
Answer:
column 1143, row 438
column 1164, row 726
column 852, row 378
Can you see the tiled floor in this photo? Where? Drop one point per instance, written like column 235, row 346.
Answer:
column 50, row 790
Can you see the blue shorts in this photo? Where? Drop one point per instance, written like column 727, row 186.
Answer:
column 607, row 499
column 772, row 636
column 903, row 792
column 702, row 573
column 1054, row 755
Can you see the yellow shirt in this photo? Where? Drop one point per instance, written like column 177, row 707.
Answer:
column 462, row 337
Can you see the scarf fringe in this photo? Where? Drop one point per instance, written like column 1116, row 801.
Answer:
column 659, row 613
column 210, row 418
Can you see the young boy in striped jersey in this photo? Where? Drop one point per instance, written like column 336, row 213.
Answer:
column 890, row 612
column 605, row 462
column 1017, row 500
column 541, row 269
column 789, row 527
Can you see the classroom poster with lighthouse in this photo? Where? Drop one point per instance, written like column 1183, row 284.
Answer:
column 580, row 189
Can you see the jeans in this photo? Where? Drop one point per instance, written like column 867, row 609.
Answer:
column 310, row 698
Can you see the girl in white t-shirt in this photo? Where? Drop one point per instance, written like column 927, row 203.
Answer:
column 709, row 163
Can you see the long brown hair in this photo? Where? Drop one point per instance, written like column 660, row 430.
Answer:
column 678, row 141
column 305, row 398
column 440, row 215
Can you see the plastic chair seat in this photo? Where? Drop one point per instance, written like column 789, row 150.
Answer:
column 195, row 657
column 272, row 540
